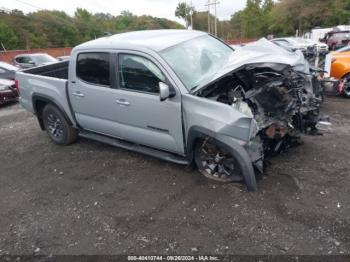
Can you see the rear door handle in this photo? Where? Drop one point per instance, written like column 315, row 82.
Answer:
column 79, row 94
column 122, row 102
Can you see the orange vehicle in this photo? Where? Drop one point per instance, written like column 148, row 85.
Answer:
column 340, row 69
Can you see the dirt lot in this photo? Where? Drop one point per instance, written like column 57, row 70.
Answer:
column 91, row 198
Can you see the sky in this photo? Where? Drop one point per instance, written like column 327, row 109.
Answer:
column 158, row 8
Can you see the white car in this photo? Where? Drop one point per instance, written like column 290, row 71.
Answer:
column 322, row 47
column 297, row 43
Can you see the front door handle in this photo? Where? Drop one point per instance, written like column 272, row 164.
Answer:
column 79, row 94
column 122, row 102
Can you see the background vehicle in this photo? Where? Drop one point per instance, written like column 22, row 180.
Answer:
column 322, row 47
column 8, row 91
column 338, row 66
column 336, row 39
column 32, row 60
column 7, row 71
column 302, row 44
column 178, row 95
column 292, row 43
column 63, row 58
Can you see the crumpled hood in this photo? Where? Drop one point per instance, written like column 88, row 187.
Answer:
column 262, row 51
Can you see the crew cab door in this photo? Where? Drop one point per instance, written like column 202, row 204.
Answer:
column 125, row 104
column 91, row 94
column 145, row 119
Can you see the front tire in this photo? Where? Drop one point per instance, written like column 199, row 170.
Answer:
column 57, row 126
column 215, row 163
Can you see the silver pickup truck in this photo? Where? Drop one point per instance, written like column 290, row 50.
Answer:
column 182, row 96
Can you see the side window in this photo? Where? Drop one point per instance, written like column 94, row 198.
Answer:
column 94, row 68
column 20, row 59
column 24, row 59
column 2, row 71
column 139, row 74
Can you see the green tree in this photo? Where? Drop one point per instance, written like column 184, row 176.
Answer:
column 184, row 11
column 8, row 38
column 46, row 28
column 123, row 21
column 254, row 20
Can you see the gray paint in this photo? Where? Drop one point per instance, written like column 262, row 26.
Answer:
column 165, row 125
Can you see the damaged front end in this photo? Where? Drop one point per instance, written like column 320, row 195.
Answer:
column 281, row 100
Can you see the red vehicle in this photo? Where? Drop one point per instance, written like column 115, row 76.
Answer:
column 8, row 91
column 336, row 39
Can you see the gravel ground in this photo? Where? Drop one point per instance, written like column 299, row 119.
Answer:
column 90, row 198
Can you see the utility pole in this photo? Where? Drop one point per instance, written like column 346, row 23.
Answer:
column 191, row 20
column 215, row 22
column 208, row 5
column 191, row 15
column 215, row 25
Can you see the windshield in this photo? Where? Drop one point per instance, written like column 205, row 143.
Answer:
column 44, row 59
column 197, row 60
column 344, row 49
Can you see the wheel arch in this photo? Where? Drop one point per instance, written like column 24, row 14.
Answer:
column 39, row 101
column 346, row 73
column 197, row 133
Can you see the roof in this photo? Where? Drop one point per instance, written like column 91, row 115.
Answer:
column 156, row 40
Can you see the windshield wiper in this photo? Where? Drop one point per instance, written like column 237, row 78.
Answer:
column 193, row 88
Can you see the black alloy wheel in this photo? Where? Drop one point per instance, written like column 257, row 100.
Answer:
column 57, row 126
column 217, row 164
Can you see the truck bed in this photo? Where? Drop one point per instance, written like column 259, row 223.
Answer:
column 50, row 82
column 56, row 70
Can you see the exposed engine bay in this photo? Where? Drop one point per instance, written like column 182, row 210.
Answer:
column 283, row 102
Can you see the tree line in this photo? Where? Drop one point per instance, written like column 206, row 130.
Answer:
column 268, row 17
column 259, row 18
column 46, row 28
column 286, row 17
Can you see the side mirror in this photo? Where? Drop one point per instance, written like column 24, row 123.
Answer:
column 164, row 91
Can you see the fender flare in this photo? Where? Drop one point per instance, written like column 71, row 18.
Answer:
column 347, row 72
column 48, row 100
column 229, row 144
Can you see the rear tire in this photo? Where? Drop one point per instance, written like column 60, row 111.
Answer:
column 57, row 126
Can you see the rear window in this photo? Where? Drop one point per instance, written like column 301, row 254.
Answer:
column 94, row 68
